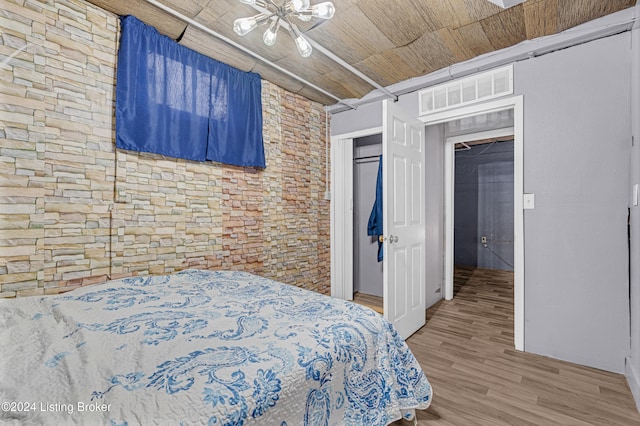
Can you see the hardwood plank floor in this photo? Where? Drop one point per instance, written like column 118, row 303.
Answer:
column 466, row 349
column 368, row 300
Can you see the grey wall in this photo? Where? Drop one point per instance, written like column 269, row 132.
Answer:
column 577, row 148
column 484, row 206
column 633, row 362
column 367, row 271
column 365, row 117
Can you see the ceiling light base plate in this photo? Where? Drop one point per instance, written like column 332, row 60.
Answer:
column 505, row 4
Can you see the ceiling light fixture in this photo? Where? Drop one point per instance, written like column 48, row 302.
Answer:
column 505, row 4
column 300, row 9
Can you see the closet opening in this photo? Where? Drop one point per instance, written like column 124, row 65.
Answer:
column 367, row 270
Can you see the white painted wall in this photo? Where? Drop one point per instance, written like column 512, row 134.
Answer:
column 577, row 123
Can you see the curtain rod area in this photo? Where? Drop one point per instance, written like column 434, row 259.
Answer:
column 246, row 50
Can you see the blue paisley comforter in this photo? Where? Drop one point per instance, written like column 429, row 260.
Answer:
column 202, row 347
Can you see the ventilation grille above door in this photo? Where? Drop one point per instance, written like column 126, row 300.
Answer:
column 468, row 90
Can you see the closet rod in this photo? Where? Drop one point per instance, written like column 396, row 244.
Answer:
column 366, row 158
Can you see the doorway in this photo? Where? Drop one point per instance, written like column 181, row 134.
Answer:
column 483, row 209
column 367, row 269
column 483, row 199
column 514, row 107
column 438, row 234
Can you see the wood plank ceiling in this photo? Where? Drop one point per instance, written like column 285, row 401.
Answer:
column 388, row 40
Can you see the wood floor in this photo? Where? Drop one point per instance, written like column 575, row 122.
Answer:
column 466, row 349
column 368, row 300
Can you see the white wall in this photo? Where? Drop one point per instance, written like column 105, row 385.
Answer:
column 577, row 145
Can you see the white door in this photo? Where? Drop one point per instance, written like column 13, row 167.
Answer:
column 403, row 195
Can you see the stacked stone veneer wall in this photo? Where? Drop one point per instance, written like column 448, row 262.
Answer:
column 76, row 211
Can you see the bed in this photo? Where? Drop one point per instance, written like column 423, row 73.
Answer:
column 203, row 347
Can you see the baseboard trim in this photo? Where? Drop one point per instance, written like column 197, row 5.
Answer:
column 633, row 379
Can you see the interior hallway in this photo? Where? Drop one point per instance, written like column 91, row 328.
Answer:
column 466, row 349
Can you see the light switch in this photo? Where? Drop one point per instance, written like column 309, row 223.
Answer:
column 528, row 201
column 635, row 195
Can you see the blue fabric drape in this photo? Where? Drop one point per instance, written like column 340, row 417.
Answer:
column 173, row 101
column 240, row 119
column 374, row 227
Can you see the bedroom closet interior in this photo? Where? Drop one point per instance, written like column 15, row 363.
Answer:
column 367, row 271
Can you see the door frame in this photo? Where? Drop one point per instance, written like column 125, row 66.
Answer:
column 449, row 197
column 515, row 103
column 341, row 239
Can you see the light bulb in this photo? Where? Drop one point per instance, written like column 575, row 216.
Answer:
column 306, row 17
column 243, row 26
column 303, row 46
column 251, row 2
column 271, row 34
column 299, row 5
column 323, row 10
column 301, row 43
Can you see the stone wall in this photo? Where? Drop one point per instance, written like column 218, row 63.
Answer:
column 76, row 211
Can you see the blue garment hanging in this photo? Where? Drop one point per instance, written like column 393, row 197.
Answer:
column 374, row 227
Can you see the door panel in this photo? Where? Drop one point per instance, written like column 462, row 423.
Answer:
column 399, row 290
column 417, row 202
column 403, row 219
column 399, row 193
column 416, row 271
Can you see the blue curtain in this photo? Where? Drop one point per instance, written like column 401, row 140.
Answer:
column 176, row 102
